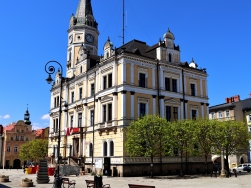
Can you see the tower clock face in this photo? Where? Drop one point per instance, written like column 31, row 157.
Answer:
column 89, row 38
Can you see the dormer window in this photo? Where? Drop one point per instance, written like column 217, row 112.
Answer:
column 107, row 55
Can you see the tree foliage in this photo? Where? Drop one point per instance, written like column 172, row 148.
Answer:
column 152, row 136
column 34, row 150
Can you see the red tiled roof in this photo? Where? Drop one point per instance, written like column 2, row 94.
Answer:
column 39, row 132
column 9, row 127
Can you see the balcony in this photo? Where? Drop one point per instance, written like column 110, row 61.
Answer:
column 107, row 128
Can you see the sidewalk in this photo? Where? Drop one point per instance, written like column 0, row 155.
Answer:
column 242, row 181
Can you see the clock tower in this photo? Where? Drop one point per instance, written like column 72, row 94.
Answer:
column 82, row 34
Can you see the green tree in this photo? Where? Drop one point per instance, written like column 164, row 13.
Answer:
column 179, row 137
column 203, row 133
column 143, row 137
column 232, row 137
column 34, row 150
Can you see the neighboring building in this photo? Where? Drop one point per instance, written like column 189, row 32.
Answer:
column 112, row 90
column 237, row 110
column 42, row 133
column 15, row 135
column 1, row 144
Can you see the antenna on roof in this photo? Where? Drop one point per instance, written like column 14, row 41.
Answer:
column 123, row 36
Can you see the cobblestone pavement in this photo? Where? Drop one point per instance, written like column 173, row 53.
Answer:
column 242, row 181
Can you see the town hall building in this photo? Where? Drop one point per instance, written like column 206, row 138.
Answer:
column 102, row 94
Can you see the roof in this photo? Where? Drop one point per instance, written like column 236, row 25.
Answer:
column 9, row 127
column 139, row 48
column 222, row 106
column 39, row 132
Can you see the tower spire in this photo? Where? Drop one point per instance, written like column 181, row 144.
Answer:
column 84, row 8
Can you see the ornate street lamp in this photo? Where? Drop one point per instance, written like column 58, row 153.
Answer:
column 50, row 70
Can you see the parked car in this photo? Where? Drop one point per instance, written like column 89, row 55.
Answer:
column 242, row 168
column 247, row 168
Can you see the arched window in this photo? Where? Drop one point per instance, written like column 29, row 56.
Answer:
column 111, row 148
column 170, row 57
column 81, row 69
column 105, row 149
column 90, row 150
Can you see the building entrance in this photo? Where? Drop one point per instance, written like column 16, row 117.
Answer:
column 16, row 164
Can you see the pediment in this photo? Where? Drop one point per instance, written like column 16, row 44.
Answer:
column 106, row 98
column 172, row 101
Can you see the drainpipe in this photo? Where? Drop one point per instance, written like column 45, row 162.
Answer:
column 158, row 94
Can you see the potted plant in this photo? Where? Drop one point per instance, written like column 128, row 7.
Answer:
column 26, row 182
column 4, row 178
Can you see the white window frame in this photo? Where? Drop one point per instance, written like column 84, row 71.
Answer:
column 249, row 118
column 227, row 116
column 107, row 149
column 171, row 105
column 144, row 101
column 197, row 112
column 172, row 76
column 91, row 89
column 143, row 71
column 220, row 115
column 8, row 149
column 79, row 97
column 15, row 149
column 195, row 87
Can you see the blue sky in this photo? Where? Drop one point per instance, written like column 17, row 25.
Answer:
column 215, row 33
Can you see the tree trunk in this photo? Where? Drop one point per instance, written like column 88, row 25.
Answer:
column 151, row 166
column 181, row 164
column 206, row 165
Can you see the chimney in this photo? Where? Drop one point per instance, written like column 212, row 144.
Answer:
column 227, row 99
column 236, row 98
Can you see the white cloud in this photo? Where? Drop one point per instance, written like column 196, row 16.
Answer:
column 7, row 116
column 46, row 117
column 36, row 126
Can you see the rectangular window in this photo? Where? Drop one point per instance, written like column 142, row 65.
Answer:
column 220, row 114
column 80, row 93
column 22, row 138
column 17, row 138
column 109, row 112
column 104, row 82
column 71, row 121
column 142, row 80
column 168, row 113
column 15, row 149
column 142, row 109
column 92, row 117
column 194, row 114
column 192, row 89
column 55, row 102
column 56, row 130
column 175, row 113
column 212, row 115
column 27, row 139
column 80, row 120
column 109, row 80
column 227, row 113
column 8, row 148
column 174, row 85
column 167, row 84
column 104, row 113
column 72, row 97
column 92, row 90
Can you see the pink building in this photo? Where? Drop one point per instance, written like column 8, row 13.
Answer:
column 15, row 135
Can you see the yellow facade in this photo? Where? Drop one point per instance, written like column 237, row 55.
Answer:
column 119, row 87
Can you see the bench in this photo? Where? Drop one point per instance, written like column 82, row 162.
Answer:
column 140, row 186
column 68, row 183
column 90, row 184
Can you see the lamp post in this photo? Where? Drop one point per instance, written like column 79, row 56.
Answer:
column 50, row 70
